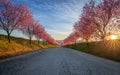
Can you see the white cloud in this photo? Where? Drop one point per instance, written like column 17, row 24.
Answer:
column 66, row 11
column 66, row 15
column 57, row 18
column 51, row 31
column 58, row 34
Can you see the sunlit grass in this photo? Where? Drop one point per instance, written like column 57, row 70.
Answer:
column 18, row 46
column 107, row 49
column 113, row 44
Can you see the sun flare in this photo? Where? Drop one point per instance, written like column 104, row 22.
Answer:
column 113, row 37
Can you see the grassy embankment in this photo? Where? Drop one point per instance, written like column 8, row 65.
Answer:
column 107, row 49
column 18, row 46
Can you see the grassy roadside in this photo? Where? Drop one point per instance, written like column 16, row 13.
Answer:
column 19, row 46
column 107, row 49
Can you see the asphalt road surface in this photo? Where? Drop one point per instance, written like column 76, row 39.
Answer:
column 58, row 61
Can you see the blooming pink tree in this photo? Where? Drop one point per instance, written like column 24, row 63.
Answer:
column 103, row 13
column 29, row 28
column 38, row 30
column 48, row 38
column 12, row 16
column 71, row 38
column 86, row 26
column 95, row 20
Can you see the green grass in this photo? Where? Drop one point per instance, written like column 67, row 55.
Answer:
column 107, row 49
column 19, row 46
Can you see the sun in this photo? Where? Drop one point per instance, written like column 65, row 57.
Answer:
column 113, row 37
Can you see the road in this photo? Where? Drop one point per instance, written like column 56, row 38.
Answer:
column 58, row 61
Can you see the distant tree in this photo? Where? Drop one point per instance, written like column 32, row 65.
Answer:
column 70, row 39
column 85, row 26
column 38, row 30
column 48, row 38
column 29, row 29
column 12, row 16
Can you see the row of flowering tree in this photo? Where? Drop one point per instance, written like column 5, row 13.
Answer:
column 19, row 17
column 71, row 38
column 98, row 20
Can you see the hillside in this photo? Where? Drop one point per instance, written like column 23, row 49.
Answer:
column 19, row 46
column 107, row 49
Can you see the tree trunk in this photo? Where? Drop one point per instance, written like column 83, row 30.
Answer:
column 43, row 41
column 9, row 38
column 87, row 43
column 30, row 41
column 75, row 43
column 8, row 35
column 46, row 42
column 38, row 41
column 103, row 37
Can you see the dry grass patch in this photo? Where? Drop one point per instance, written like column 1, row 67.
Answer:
column 18, row 46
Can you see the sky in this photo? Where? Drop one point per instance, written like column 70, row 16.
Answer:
column 57, row 16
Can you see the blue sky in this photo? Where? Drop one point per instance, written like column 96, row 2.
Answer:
column 57, row 16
